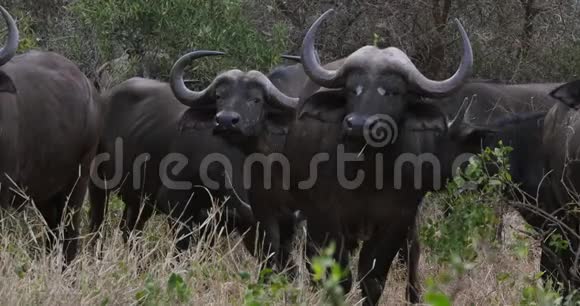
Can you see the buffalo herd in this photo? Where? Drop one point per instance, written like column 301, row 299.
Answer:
column 342, row 145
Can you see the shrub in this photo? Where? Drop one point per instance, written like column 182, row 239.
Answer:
column 469, row 202
column 158, row 32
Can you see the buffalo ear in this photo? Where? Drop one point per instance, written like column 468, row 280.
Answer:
column 326, row 105
column 6, row 84
column 194, row 119
column 568, row 94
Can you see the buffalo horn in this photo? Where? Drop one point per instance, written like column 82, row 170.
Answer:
column 275, row 97
column 443, row 88
column 182, row 93
column 310, row 61
column 399, row 63
column 9, row 50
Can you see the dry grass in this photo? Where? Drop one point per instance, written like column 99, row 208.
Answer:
column 211, row 273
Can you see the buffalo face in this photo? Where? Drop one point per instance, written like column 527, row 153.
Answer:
column 367, row 95
column 241, row 101
column 241, row 106
column 376, row 84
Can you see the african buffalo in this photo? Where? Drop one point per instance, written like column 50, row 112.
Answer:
column 211, row 128
column 561, row 143
column 541, row 196
column 512, row 113
column 497, row 101
column 260, row 134
column 373, row 93
column 51, row 120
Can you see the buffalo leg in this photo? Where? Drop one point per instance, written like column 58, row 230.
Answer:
column 135, row 215
column 267, row 245
column 183, row 232
column 287, row 233
column 275, row 243
column 409, row 255
column 5, row 195
column 73, row 209
column 52, row 214
column 65, row 207
column 413, row 256
column 98, row 207
column 185, row 208
column 99, row 196
column 318, row 239
column 558, row 265
column 375, row 260
column 551, row 265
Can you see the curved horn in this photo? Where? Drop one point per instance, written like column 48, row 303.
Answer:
column 276, row 97
column 9, row 50
column 182, row 93
column 310, row 61
column 442, row 88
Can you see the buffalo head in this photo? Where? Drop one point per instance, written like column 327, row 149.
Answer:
column 374, row 81
column 242, row 102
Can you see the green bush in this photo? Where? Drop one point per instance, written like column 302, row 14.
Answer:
column 160, row 31
column 469, row 202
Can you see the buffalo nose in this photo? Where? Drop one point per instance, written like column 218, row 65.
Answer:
column 227, row 118
column 354, row 124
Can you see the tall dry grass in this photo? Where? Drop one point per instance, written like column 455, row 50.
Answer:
column 111, row 273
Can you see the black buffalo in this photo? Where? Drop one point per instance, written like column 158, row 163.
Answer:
column 50, row 125
column 371, row 93
column 561, row 142
column 500, row 102
column 541, row 163
column 379, row 93
column 157, row 120
column 261, row 108
column 514, row 114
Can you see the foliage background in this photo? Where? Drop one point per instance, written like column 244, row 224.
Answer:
column 513, row 40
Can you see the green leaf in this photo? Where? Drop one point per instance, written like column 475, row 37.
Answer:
column 437, row 299
column 502, row 277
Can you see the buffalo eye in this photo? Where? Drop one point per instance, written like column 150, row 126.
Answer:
column 221, row 93
column 357, row 90
column 255, row 100
column 384, row 92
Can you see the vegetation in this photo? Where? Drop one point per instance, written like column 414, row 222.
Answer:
column 465, row 261
column 156, row 33
column 461, row 234
column 513, row 40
